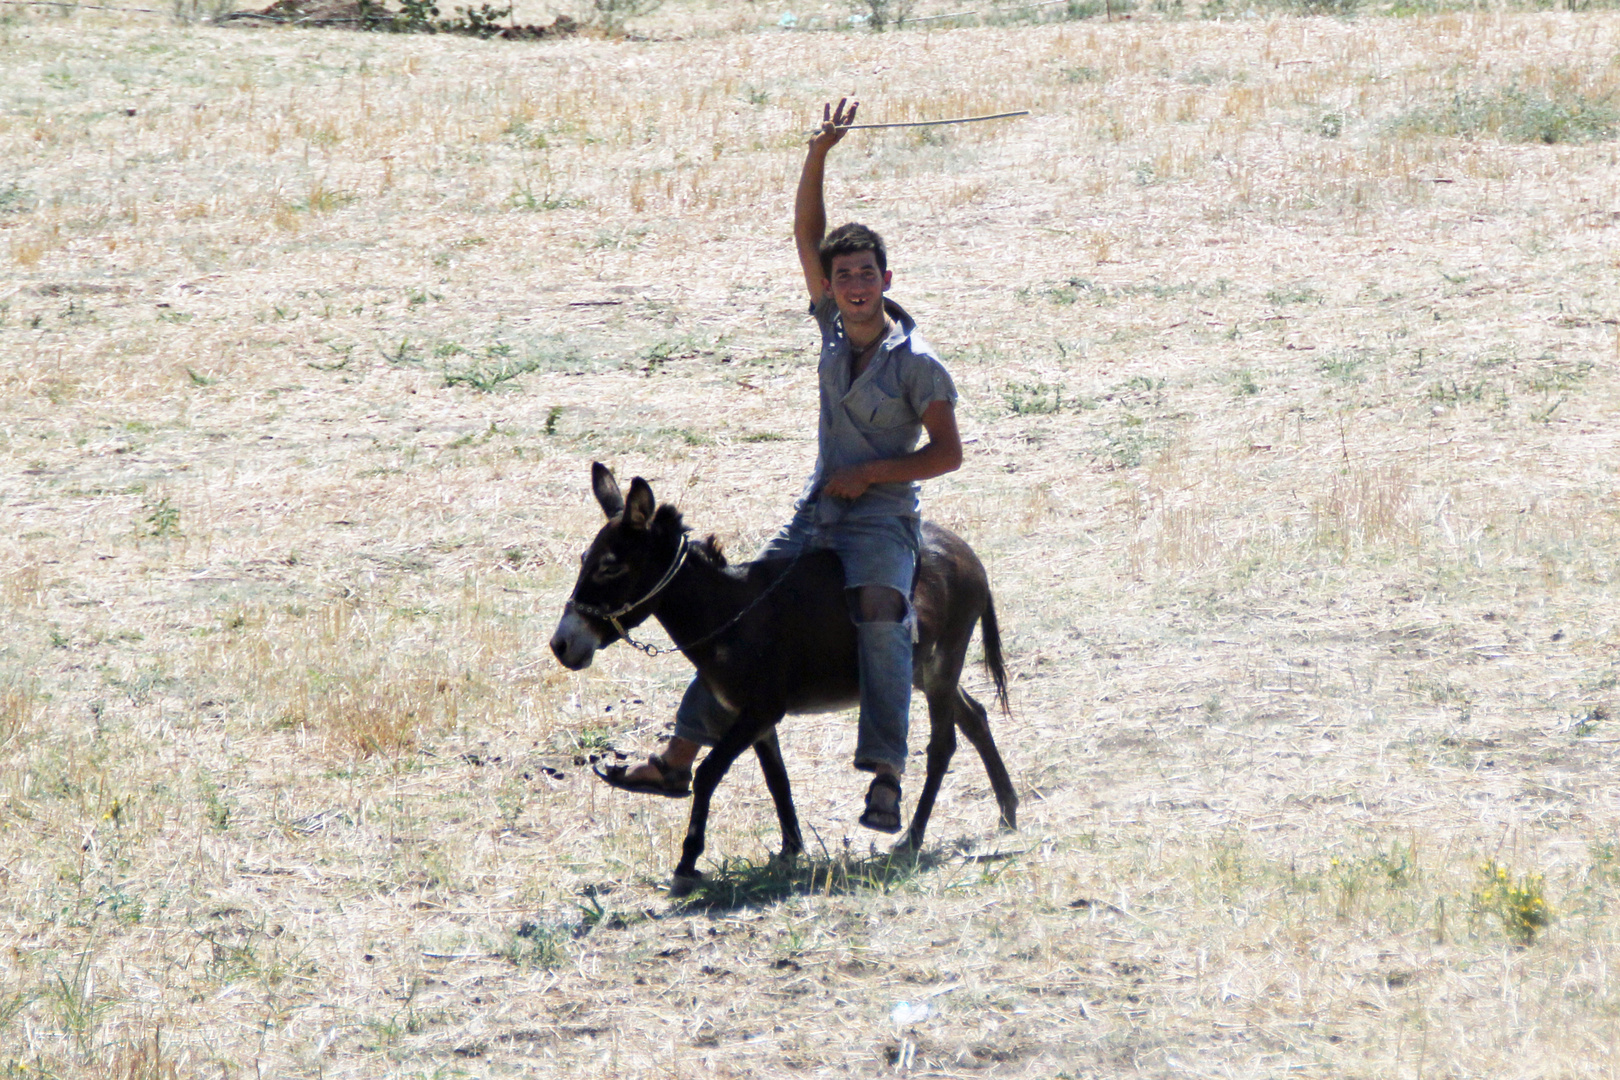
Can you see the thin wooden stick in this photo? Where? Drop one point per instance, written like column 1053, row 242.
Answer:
column 929, row 123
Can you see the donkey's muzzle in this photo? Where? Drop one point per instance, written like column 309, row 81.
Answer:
column 574, row 643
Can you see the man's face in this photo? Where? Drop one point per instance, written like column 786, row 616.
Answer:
column 858, row 286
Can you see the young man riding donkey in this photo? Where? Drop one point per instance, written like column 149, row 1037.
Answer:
column 882, row 387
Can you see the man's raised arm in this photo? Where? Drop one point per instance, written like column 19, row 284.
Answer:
column 809, row 209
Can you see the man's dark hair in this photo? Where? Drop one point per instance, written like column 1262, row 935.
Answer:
column 849, row 239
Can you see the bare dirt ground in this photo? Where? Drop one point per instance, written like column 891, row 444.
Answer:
column 1289, row 361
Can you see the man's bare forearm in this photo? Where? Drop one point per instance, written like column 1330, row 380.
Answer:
column 809, row 206
column 942, row 454
column 935, row 459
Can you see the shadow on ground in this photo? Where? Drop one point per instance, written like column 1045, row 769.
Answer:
column 740, row 883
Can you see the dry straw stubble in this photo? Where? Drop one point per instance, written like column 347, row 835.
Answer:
column 1289, row 456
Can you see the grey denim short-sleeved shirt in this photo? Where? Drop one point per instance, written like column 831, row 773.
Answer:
column 878, row 415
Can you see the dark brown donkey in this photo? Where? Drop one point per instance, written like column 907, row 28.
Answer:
column 775, row 637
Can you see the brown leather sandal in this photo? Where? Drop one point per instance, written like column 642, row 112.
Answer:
column 881, row 814
column 672, row 783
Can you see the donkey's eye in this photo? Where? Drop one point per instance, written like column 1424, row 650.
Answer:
column 607, row 571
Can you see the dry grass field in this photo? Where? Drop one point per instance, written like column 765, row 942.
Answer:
column 1290, row 364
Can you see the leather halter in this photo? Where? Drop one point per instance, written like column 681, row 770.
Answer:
column 612, row 617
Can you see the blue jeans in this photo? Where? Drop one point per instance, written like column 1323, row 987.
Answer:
column 878, row 551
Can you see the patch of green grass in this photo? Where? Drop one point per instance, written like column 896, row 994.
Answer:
column 1588, row 723
column 520, row 132
column 496, row 367
column 1346, row 367
column 478, row 437
column 1544, row 414
column 1341, row 8
column 216, row 811
column 1024, row 13
column 628, row 238
column 404, row 354
column 1032, row 399
column 1520, row 903
column 535, row 945
column 523, row 197
column 121, row 905
column 609, row 16
column 322, row 199
column 15, row 199
column 71, row 998
column 12, row 1004
column 1515, row 115
column 685, row 347
column 684, row 435
column 1282, row 296
column 1125, row 447
column 1201, row 76
column 1547, row 378
column 591, row 738
column 162, row 519
column 1142, row 386
column 1451, row 392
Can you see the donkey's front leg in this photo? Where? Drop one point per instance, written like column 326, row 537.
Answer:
column 742, row 734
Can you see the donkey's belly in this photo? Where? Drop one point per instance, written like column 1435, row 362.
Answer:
column 823, row 699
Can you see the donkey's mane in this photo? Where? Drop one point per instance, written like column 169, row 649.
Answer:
column 710, row 551
column 668, row 520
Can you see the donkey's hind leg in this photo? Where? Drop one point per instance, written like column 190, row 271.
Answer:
column 941, row 745
column 769, row 752
column 975, row 723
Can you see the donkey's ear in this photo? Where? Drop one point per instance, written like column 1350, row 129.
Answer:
column 606, row 489
column 639, row 507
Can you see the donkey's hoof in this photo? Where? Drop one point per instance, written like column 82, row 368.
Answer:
column 906, row 850
column 683, row 884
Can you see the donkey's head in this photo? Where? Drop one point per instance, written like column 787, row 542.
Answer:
column 622, row 573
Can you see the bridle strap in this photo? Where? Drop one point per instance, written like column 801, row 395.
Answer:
column 612, row 617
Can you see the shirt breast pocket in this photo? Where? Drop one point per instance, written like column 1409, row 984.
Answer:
column 877, row 410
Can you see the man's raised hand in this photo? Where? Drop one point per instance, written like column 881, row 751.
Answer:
column 834, row 122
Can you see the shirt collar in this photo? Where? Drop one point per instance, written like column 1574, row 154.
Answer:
column 903, row 325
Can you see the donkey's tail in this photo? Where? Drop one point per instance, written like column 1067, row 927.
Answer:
column 990, row 631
